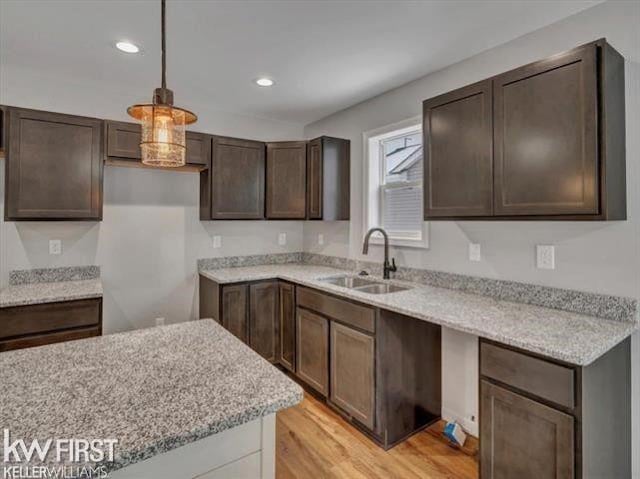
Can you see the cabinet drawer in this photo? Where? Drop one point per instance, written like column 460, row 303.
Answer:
column 49, row 338
column 344, row 311
column 541, row 378
column 40, row 318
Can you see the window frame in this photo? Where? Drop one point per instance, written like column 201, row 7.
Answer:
column 374, row 184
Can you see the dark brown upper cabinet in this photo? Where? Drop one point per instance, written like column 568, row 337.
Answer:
column 53, row 166
column 459, row 168
column 546, row 137
column 555, row 140
column 328, row 179
column 3, row 130
column 286, row 180
column 123, row 143
column 233, row 188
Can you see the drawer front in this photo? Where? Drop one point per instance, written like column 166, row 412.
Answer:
column 541, row 378
column 40, row 318
column 49, row 338
column 352, row 314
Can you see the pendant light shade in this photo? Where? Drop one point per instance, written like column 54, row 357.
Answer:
column 163, row 125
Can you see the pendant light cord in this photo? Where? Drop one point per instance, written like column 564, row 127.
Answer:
column 164, row 53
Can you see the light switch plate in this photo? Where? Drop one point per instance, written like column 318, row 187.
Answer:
column 320, row 239
column 545, row 256
column 282, row 239
column 474, row 252
column 55, row 246
column 217, row 241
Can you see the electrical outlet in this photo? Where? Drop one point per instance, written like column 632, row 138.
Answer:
column 55, row 246
column 217, row 241
column 321, row 239
column 545, row 256
column 474, row 252
column 159, row 321
column 282, row 239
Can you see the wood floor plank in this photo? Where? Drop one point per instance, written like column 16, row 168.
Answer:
column 313, row 441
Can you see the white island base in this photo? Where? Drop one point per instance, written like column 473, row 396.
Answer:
column 247, row 451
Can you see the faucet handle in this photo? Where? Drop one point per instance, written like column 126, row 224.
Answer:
column 392, row 266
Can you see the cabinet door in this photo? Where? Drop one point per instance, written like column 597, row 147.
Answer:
column 546, row 147
column 123, row 140
column 263, row 319
column 314, row 179
column 523, row 438
column 287, row 326
column 458, row 172
column 352, row 372
column 312, row 350
column 234, row 310
column 286, row 179
column 237, row 179
column 198, row 149
column 53, row 166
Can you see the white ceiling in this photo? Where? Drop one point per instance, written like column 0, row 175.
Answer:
column 324, row 55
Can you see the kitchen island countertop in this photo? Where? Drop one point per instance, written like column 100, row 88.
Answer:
column 153, row 389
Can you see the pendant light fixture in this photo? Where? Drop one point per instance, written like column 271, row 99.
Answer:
column 163, row 125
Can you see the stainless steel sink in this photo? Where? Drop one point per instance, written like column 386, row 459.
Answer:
column 364, row 285
column 381, row 288
column 351, row 282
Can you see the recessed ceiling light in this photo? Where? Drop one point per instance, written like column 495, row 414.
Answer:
column 127, row 47
column 264, row 81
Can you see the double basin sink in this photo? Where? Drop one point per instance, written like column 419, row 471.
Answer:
column 364, row 285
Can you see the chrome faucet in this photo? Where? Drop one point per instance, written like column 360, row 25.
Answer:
column 386, row 267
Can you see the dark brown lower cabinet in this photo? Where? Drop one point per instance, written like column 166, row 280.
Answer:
column 263, row 319
column 312, row 350
column 524, row 438
column 544, row 419
column 352, row 371
column 40, row 324
column 250, row 311
column 384, row 368
column 234, row 310
column 287, row 326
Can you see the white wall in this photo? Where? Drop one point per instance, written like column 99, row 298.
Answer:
column 151, row 235
column 601, row 257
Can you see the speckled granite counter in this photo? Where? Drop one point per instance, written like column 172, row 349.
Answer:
column 38, row 293
column 50, row 285
column 153, row 389
column 575, row 338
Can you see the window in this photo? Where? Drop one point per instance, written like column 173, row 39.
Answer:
column 394, row 183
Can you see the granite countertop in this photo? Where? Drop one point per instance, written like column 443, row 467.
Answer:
column 38, row 293
column 152, row 389
column 574, row 338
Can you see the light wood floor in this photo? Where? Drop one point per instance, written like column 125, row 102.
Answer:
column 314, row 442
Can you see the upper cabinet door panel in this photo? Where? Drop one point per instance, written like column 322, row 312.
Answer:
column 286, row 180
column 314, row 179
column 54, row 166
column 457, row 129
column 198, row 149
column 237, row 179
column 123, row 140
column 546, row 137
